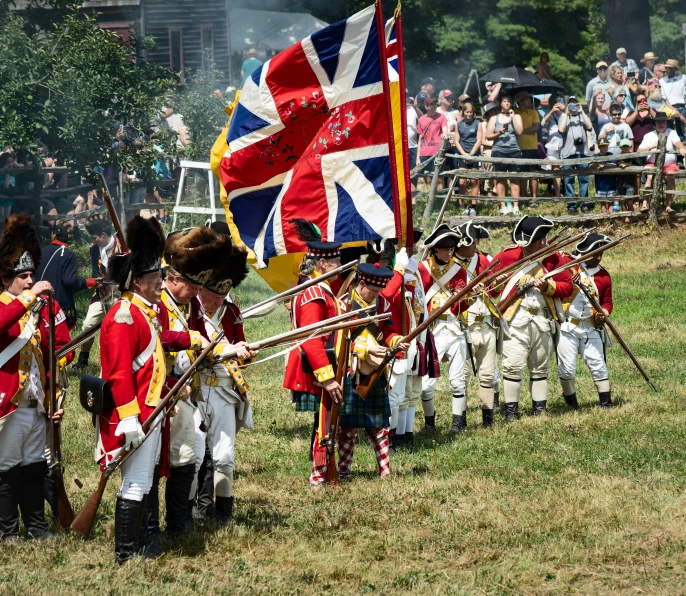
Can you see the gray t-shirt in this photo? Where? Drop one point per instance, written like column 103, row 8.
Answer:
column 507, row 142
column 575, row 131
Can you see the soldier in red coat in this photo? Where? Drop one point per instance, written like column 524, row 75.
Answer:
column 442, row 275
column 309, row 371
column 132, row 360
column 533, row 317
column 583, row 332
column 24, row 320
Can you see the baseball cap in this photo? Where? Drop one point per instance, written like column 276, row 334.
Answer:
column 445, row 93
column 625, row 143
column 429, row 101
column 603, row 142
column 601, row 64
column 621, row 51
column 463, row 97
column 428, row 81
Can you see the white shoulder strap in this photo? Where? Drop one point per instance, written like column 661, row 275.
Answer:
column 444, row 280
column 512, row 282
column 19, row 342
column 140, row 360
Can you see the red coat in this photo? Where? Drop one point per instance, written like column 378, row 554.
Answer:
column 394, row 293
column 603, row 282
column 560, row 286
column 316, row 304
column 122, row 338
column 11, row 311
column 232, row 324
column 456, row 283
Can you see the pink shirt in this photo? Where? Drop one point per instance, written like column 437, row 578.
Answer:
column 430, row 128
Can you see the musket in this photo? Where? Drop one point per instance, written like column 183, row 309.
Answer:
column 367, row 381
column 441, row 214
column 335, row 414
column 113, row 215
column 505, row 303
column 65, row 514
column 83, row 522
column 78, row 341
column 599, row 309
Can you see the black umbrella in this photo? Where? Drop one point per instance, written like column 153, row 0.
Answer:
column 511, row 75
column 543, row 87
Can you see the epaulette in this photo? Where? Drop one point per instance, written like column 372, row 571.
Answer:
column 386, row 304
column 313, row 293
column 238, row 318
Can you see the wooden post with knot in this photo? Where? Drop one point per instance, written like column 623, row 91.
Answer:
column 438, row 166
column 655, row 198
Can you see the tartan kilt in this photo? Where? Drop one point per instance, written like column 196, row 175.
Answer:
column 306, row 402
column 374, row 412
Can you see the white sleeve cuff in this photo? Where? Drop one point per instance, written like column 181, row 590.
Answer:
column 127, row 425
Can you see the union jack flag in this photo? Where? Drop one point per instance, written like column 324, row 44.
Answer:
column 309, row 138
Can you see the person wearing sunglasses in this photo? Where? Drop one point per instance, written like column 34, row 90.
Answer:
column 615, row 130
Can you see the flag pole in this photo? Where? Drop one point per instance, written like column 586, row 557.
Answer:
column 403, row 120
column 381, row 34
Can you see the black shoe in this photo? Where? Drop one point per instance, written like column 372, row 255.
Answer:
column 179, row 517
column 400, row 443
column 458, row 424
column 10, row 481
column 204, row 508
column 31, row 500
column 572, row 401
column 464, row 419
column 539, row 407
column 150, row 535
column 223, row 509
column 496, row 400
column 430, row 423
column 127, row 517
column 511, row 411
column 409, row 442
column 487, row 418
column 82, row 362
column 313, row 436
column 606, row 400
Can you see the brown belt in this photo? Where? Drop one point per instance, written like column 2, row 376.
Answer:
column 582, row 322
column 32, row 403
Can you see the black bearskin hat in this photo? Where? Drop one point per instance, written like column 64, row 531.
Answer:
column 19, row 246
column 145, row 240
column 196, row 254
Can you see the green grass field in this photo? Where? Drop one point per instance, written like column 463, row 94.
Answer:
column 590, row 501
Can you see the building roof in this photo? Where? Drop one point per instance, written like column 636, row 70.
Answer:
column 266, row 29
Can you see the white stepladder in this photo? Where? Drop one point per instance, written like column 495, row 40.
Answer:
column 212, row 210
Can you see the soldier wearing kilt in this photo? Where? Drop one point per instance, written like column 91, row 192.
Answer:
column 368, row 350
column 309, row 369
column 582, row 332
column 24, row 337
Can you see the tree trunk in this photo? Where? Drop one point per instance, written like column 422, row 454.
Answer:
column 629, row 27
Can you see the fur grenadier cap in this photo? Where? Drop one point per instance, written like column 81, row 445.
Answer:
column 591, row 241
column 442, row 237
column 19, row 246
column 530, row 228
column 375, row 275
column 196, row 254
column 311, row 235
column 145, row 240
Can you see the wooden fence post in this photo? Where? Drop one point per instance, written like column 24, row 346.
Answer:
column 438, row 164
column 656, row 196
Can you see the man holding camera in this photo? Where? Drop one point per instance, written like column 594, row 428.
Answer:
column 574, row 127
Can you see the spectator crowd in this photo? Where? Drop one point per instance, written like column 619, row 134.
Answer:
column 626, row 106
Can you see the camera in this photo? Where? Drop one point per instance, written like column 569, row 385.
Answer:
column 578, row 142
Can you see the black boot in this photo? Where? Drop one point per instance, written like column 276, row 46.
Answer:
column 511, row 411
column 430, row 423
column 150, row 534
column 315, row 426
column 50, row 495
column 539, row 407
column 82, row 362
column 176, row 497
column 487, row 418
column 127, row 517
column 571, row 401
column 224, row 509
column 496, row 400
column 464, row 419
column 606, row 400
column 458, row 424
column 10, row 481
column 400, row 442
column 205, row 502
column 31, row 500
column 392, row 443
column 409, row 442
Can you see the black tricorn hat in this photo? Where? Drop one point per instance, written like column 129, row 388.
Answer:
column 530, row 229
column 382, row 252
column 590, row 242
column 19, row 246
column 145, row 239
column 442, row 237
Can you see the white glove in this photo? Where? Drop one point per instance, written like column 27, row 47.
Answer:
column 401, row 258
column 412, row 264
column 133, row 432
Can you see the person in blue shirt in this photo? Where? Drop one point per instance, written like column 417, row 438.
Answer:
column 250, row 65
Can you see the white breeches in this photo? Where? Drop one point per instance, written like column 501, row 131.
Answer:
column 528, row 347
column 183, row 443
column 484, row 347
column 138, row 470
column 453, row 348
column 413, row 391
column 22, row 438
column 396, row 393
column 221, row 434
column 589, row 344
